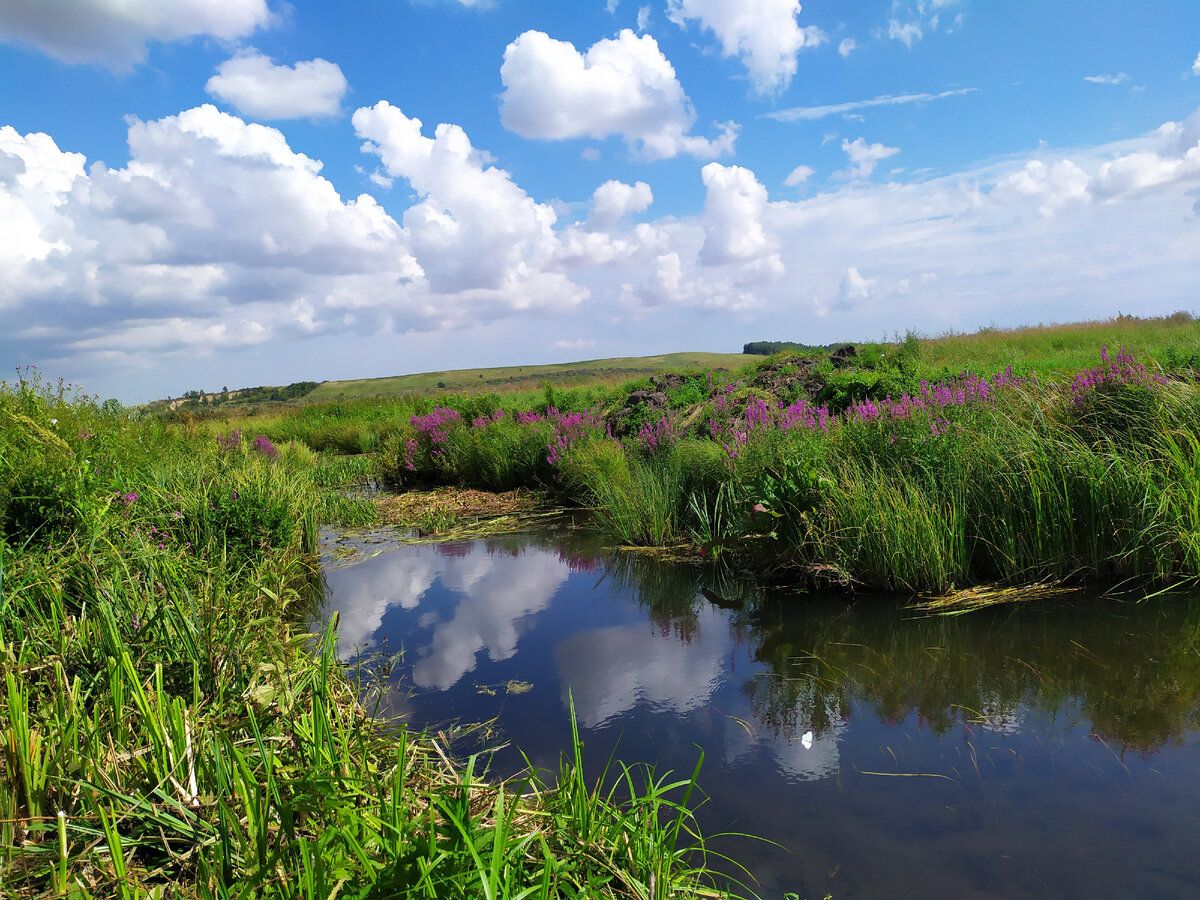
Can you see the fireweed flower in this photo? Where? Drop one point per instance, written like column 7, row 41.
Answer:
column 660, row 434
column 569, row 430
column 485, row 421
column 801, row 415
column 262, row 444
column 434, row 429
column 1123, row 369
column 226, row 444
column 129, row 498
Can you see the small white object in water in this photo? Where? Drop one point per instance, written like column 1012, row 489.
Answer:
column 806, row 740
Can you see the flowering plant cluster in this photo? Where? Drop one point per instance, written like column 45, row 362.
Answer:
column 433, row 430
column 803, row 415
column 569, row 430
column 262, row 444
column 967, row 391
column 1123, row 369
column 733, row 422
column 734, row 431
column 485, row 421
column 658, row 435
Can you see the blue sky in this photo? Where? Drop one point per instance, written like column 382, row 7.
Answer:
column 180, row 207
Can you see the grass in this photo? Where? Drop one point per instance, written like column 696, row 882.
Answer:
column 509, row 378
column 169, row 729
column 1170, row 342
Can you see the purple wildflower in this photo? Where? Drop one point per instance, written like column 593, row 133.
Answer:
column 262, row 444
column 655, row 435
column 569, row 430
column 1123, row 369
column 434, row 429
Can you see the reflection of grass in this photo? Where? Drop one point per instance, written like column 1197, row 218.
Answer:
column 1135, row 669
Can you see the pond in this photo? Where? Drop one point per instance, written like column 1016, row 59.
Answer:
column 1039, row 750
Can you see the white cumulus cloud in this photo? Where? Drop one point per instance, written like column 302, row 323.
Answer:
column 621, row 86
column 473, row 228
column 846, row 47
column 614, row 200
column 764, row 34
column 734, row 203
column 116, row 32
column 864, row 157
column 257, row 87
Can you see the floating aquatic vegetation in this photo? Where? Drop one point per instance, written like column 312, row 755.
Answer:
column 982, row 596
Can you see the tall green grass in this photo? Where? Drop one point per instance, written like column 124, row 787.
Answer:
column 168, row 729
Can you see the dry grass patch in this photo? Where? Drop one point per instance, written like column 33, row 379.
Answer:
column 459, row 504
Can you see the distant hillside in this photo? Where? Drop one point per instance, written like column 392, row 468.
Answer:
column 1169, row 341
column 526, row 377
column 194, row 400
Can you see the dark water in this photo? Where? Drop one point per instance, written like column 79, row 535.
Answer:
column 1049, row 750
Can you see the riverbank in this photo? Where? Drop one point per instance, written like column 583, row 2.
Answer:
column 169, row 728
column 853, row 471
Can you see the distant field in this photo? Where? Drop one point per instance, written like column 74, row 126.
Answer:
column 1168, row 342
column 527, row 377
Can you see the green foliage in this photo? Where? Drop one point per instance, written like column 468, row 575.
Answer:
column 769, row 348
column 637, row 500
column 169, row 729
column 845, row 388
column 694, row 390
column 498, row 457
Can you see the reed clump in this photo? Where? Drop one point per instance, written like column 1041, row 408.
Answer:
column 168, row 729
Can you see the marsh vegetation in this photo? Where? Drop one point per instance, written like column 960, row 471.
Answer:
column 170, row 727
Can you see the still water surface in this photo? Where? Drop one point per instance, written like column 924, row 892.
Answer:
column 1049, row 750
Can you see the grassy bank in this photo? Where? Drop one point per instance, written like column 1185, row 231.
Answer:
column 169, row 730
column 516, row 378
column 877, row 470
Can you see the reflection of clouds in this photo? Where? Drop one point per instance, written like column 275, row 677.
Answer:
column 609, row 670
column 1000, row 716
column 463, row 572
column 503, row 591
column 363, row 593
column 812, row 764
column 786, row 746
